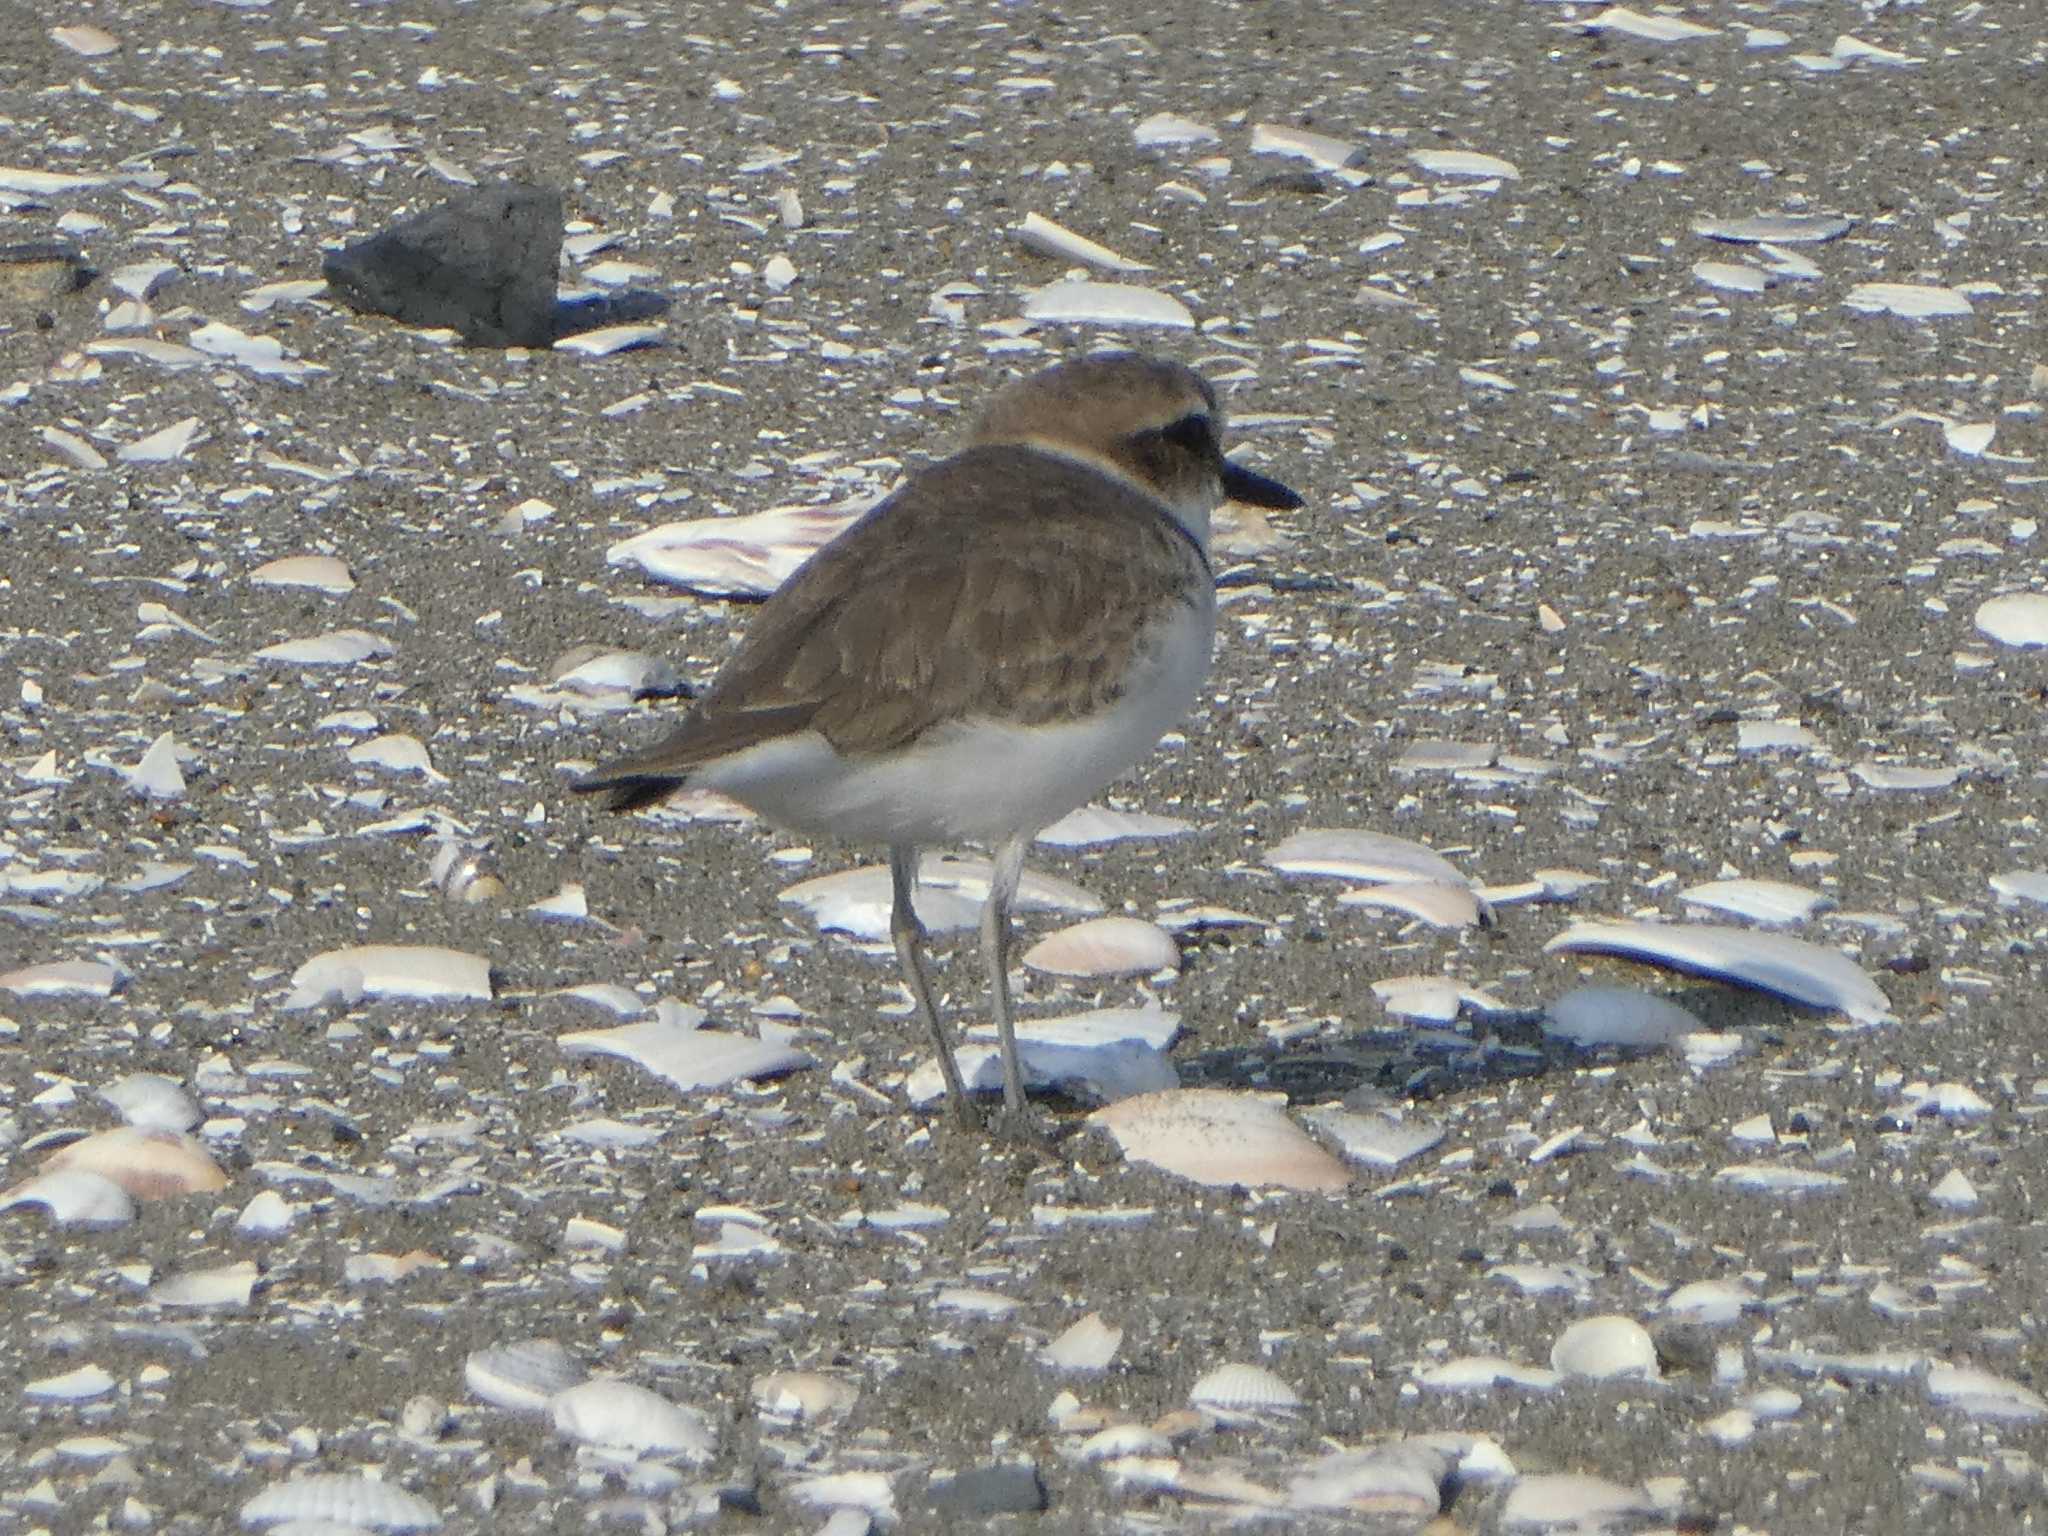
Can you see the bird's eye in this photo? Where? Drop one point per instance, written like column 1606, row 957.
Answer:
column 1190, row 432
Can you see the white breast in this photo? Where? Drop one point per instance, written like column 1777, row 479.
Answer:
column 980, row 779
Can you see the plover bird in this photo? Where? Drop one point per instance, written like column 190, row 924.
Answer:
column 982, row 652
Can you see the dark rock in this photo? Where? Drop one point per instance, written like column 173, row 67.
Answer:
column 42, row 270
column 1002, row 1488
column 483, row 264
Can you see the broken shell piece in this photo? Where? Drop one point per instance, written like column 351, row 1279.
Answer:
column 1049, row 239
column 2017, row 618
column 422, row 973
column 318, row 573
column 1216, row 1137
column 1619, row 1016
column 1909, row 301
column 152, row 1102
column 951, row 891
column 1430, row 901
column 687, row 1055
column 1761, row 901
column 74, row 1197
column 62, row 978
column 1105, row 947
column 733, row 556
column 807, row 1395
column 157, row 776
column 1770, row 962
column 1075, row 301
column 229, row 1285
column 1348, row 854
column 336, row 648
column 1243, row 1394
column 150, row 1165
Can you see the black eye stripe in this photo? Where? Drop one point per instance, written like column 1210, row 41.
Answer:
column 1192, row 432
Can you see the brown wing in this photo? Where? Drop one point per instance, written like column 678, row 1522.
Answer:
column 1003, row 582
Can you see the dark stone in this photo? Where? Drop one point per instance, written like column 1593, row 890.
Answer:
column 1003, row 1488
column 483, row 264
column 40, row 271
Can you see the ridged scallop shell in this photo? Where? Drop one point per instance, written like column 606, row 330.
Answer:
column 344, row 1498
column 524, row 1376
column 1238, row 1394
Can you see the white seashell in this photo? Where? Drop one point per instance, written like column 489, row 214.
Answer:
column 1151, row 1026
column 1121, row 1440
column 1399, row 1484
column 951, row 891
column 1572, row 1504
column 1983, row 1396
column 1902, row 776
column 152, row 1102
column 1076, row 301
column 1430, row 901
column 1621, row 1016
column 687, row 1056
column 1607, row 1348
column 1792, row 968
column 778, row 273
column 1041, row 234
column 733, row 556
column 974, row 1301
column 1710, row 1303
column 807, row 1395
column 1732, row 276
column 386, row 1268
column 74, row 1197
column 2017, row 618
column 266, row 296
column 149, row 1164
column 319, row 573
column 602, row 669
column 1775, row 228
column 1101, row 1072
column 88, row 42
column 1968, row 438
column 1761, row 901
column 267, row 1214
column 618, row 1415
column 79, row 1386
column 866, row 1491
column 1773, row 736
column 157, row 776
column 1482, row 1373
column 570, row 904
column 336, row 648
column 169, row 355
column 62, row 978
column 1088, row 1345
column 350, row 1499
column 396, row 752
column 1318, row 149
column 262, row 355
column 609, row 339
column 1954, row 1192
column 1094, row 825
column 614, row 999
column 422, row 973
column 1363, row 856
column 1243, row 1394
column 1464, row 162
column 1648, row 29
column 1105, row 947
column 1772, row 1179
column 1215, row 1137
column 1167, row 130
column 1854, row 50
column 74, row 448
column 1378, row 1138
column 230, row 1285
column 1909, row 301
column 164, row 446
column 523, row 1377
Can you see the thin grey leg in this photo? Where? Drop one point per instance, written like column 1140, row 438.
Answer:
column 908, row 933
column 1006, row 871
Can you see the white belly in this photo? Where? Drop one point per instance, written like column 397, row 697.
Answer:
column 980, row 780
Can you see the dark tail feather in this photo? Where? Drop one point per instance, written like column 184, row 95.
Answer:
column 628, row 791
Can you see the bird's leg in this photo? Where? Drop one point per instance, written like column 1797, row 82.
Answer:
column 908, row 933
column 1006, row 870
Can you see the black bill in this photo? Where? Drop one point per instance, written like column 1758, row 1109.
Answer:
column 1248, row 485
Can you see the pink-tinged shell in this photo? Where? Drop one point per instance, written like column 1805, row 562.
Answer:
column 1435, row 902
column 1105, row 946
column 150, row 1165
column 1217, row 1137
column 806, row 1395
